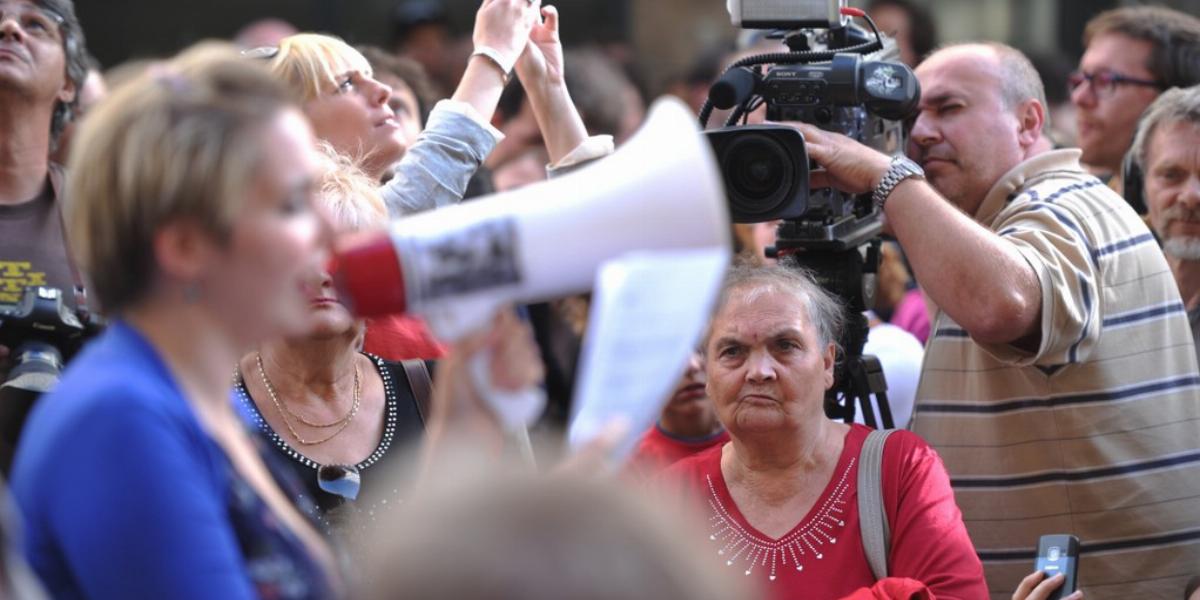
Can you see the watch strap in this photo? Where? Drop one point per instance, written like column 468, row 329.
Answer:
column 901, row 168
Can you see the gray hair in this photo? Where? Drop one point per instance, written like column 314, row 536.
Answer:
column 1172, row 106
column 76, row 58
column 822, row 309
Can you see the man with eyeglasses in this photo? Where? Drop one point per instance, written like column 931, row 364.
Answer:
column 1132, row 54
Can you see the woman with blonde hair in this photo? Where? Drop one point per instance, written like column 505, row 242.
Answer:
column 339, row 417
column 194, row 212
column 349, row 108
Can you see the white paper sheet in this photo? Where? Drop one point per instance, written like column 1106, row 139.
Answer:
column 647, row 315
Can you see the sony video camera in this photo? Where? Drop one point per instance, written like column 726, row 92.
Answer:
column 833, row 75
column 836, row 76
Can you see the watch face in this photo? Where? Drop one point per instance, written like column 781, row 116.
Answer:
column 912, row 166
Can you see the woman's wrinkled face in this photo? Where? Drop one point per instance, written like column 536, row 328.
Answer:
column 767, row 368
column 277, row 241
column 356, row 119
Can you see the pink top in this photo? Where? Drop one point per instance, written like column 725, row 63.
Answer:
column 912, row 316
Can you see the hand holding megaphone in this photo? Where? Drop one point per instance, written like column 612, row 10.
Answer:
column 504, row 356
column 457, row 265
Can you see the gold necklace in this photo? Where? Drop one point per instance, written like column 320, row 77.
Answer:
column 284, row 412
column 297, row 416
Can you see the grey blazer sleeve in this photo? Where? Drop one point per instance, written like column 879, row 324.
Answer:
column 435, row 170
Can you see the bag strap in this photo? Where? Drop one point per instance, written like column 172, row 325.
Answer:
column 872, row 520
column 420, row 384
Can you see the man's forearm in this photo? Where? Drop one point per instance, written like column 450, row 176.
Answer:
column 977, row 278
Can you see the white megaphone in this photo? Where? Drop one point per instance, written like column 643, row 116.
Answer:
column 455, row 266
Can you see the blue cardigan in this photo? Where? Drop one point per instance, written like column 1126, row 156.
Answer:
column 124, row 495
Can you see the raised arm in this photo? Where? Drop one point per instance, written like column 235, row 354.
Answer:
column 980, row 280
column 501, row 33
column 540, row 69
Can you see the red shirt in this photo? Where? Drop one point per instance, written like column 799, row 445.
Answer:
column 659, row 450
column 401, row 337
column 823, row 557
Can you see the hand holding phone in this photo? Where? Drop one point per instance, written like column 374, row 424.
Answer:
column 1054, row 577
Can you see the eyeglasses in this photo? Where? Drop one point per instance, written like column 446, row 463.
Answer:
column 1104, row 82
column 35, row 21
column 341, row 480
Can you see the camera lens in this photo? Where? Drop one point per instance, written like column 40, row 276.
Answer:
column 36, row 366
column 758, row 173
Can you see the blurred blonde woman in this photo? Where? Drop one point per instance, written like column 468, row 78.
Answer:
column 348, row 106
column 192, row 213
column 337, row 416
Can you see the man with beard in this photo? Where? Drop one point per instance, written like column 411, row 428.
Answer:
column 1167, row 148
column 1060, row 384
column 1131, row 55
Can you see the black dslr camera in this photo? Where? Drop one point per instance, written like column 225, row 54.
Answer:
column 41, row 333
column 838, row 77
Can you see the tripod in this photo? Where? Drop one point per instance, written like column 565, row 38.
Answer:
column 850, row 275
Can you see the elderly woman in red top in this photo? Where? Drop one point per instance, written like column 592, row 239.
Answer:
column 782, row 496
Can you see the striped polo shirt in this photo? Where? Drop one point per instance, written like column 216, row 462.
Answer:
column 1097, row 433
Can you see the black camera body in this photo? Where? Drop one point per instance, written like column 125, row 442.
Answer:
column 766, row 167
column 41, row 332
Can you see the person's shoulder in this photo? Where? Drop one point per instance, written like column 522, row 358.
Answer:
column 907, row 440
column 117, row 371
column 113, row 388
column 694, row 466
column 1065, row 184
column 683, row 482
column 909, row 452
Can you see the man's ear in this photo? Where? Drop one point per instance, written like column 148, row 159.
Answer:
column 1031, row 118
column 183, row 250
column 66, row 94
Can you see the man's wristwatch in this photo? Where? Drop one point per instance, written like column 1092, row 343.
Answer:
column 902, row 168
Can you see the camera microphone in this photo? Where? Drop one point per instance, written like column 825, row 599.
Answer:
column 733, row 88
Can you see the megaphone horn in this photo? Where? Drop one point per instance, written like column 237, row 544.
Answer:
column 661, row 190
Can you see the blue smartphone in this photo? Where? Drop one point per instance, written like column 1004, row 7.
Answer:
column 1059, row 554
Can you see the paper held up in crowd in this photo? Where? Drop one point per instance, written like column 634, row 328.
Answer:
column 648, row 313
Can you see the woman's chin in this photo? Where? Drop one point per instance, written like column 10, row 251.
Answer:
column 760, row 419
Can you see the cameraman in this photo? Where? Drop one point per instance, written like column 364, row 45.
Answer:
column 43, row 64
column 1060, row 384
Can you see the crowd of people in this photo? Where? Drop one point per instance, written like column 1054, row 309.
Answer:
column 234, row 430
